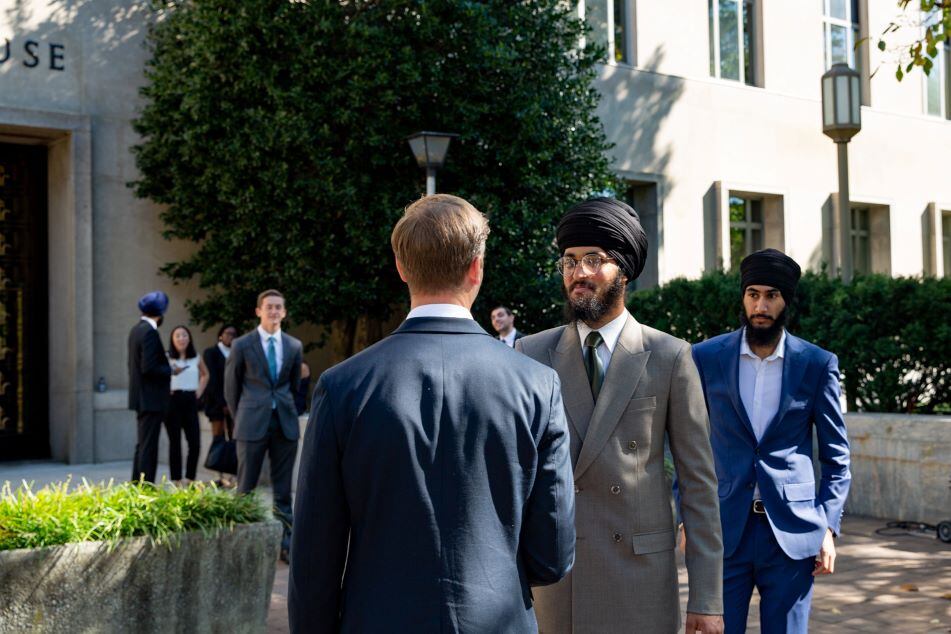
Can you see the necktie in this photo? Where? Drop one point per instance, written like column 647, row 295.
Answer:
column 272, row 359
column 592, row 362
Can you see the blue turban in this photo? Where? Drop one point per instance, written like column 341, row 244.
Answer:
column 154, row 303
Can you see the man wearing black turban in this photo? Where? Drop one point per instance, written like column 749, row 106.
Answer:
column 767, row 390
column 626, row 387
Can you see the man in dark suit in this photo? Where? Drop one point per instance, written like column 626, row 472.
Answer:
column 149, row 379
column 503, row 321
column 261, row 376
column 767, row 391
column 435, row 464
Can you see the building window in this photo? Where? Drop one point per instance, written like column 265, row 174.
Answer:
column 841, row 30
column 738, row 220
column 861, row 238
column 746, row 228
column 946, row 241
column 937, row 80
column 733, row 40
column 608, row 22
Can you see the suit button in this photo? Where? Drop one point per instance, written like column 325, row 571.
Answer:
column 756, row 451
column 577, row 489
column 617, row 537
column 632, row 444
column 615, row 489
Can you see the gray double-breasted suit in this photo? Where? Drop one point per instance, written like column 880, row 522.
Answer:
column 625, row 573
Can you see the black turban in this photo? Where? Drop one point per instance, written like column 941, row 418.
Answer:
column 609, row 224
column 770, row 267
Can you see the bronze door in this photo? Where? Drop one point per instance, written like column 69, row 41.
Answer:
column 24, row 336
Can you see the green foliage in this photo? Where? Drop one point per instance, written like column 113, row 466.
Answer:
column 892, row 335
column 273, row 133
column 54, row 515
column 934, row 26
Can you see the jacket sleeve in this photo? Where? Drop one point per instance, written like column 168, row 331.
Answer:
column 548, row 528
column 154, row 362
column 321, row 524
column 833, row 446
column 234, row 377
column 688, row 428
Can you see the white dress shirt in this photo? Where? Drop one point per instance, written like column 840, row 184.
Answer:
column 440, row 310
column 610, row 332
column 761, row 385
column 509, row 339
column 151, row 321
column 225, row 350
column 278, row 345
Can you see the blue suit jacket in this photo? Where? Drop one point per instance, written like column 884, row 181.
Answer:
column 781, row 463
column 442, row 455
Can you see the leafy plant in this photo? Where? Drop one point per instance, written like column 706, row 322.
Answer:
column 932, row 18
column 892, row 335
column 55, row 515
column 273, row 134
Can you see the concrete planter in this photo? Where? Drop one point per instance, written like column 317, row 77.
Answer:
column 900, row 466
column 220, row 583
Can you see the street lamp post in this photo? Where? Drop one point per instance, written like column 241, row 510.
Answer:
column 842, row 120
column 430, row 149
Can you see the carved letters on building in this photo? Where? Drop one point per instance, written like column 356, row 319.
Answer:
column 33, row 54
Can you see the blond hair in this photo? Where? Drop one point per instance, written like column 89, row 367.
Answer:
column 436, row 240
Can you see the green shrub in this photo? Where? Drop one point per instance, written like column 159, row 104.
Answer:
column 94, row 512
column 892, row 335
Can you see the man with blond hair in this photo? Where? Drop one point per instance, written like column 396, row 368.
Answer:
column 435, row 481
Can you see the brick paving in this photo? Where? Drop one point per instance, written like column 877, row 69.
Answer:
column 882, row 583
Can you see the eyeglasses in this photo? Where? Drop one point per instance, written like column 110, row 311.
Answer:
column 590, row 264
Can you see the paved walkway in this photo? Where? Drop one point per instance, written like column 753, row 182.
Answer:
column 894, row 583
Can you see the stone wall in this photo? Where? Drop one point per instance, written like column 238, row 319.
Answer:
column 220, row 583
column 901, row 466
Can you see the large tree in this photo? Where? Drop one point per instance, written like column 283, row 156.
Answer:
column 273, row 134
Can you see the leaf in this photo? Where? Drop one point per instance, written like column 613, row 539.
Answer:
column 899, row 74
column 881, row 45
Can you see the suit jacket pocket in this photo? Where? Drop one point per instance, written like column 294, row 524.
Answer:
column 653, row 542
column 800, row 491
column 637, row 404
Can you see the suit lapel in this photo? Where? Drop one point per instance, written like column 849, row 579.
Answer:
column 285, row 357
column 259, row 352
column 575, row 392
column 729, row 357
column 794, row 367
column 628, row 362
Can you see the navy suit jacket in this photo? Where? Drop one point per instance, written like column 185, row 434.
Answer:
column 442, row 456
column 781, row 462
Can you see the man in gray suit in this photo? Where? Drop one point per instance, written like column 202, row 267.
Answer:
column 261, row 376
column 626, row 388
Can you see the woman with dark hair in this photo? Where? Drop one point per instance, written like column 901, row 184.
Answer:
column 213, row 389
column 187, row 372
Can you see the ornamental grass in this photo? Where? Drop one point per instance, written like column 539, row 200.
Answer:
column 55, row 515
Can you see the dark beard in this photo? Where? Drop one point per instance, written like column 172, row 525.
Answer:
column 768, row 336
column 159, row 320
column 591, row 309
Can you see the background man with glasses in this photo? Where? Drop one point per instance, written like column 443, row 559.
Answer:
column 626, row 387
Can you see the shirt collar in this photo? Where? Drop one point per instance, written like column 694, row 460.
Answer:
column 610, row 332
column 778, row 353
column 225, row 350
column 440, row 310
column 265, row 335
column 151, row 321
column 509, row 338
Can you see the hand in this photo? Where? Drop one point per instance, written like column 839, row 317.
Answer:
column 706, row 623
column 825, row 560
column 681, row 538
column 177, row 369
